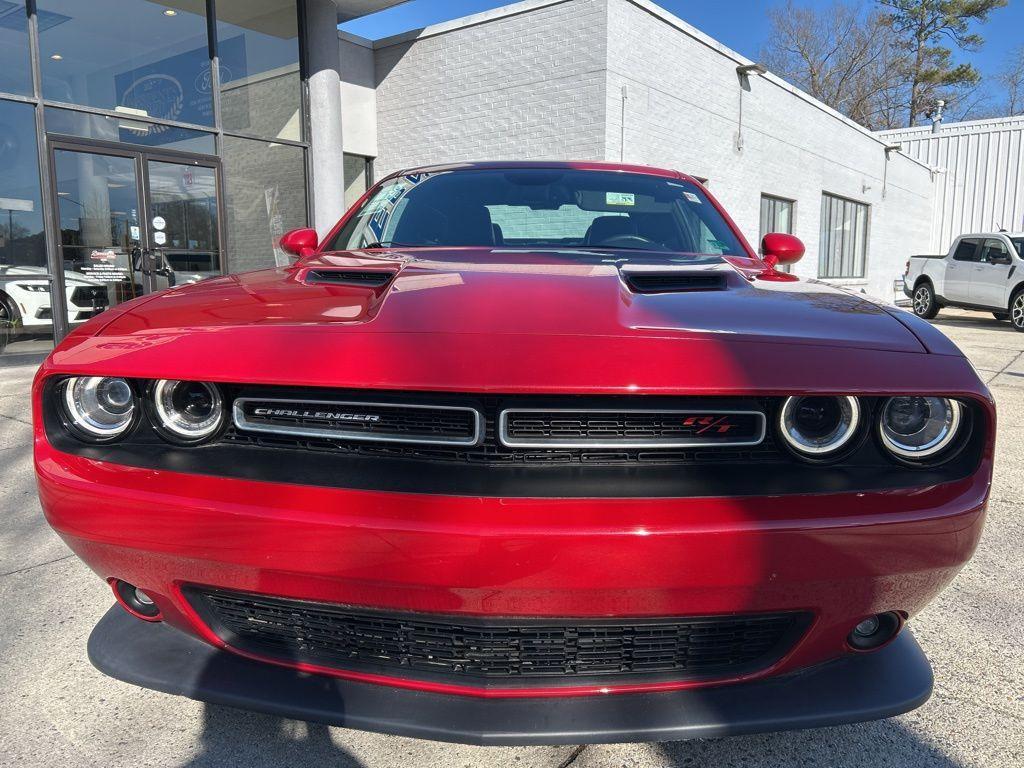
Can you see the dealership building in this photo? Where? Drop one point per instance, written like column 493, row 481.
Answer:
column 145, row 144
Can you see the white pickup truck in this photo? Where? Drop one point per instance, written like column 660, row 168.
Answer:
column 982, row 271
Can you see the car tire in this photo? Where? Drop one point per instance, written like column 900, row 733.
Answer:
column 1017, row 311
column 925, row 304
column 1001, row 316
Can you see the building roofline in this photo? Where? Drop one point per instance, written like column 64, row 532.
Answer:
column 348, row 37
column 990, row 122
column 444, row 27
column 706, row 40
column 526, row 6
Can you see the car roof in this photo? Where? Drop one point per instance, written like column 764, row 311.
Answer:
column 580, row 165
column 989, row 234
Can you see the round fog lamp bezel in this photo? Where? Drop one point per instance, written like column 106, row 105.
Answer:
column 79, row 426
column 164, row 422
column 836, row 449
column 935, row 449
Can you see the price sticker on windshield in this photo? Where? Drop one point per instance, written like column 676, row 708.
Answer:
column 620, row 198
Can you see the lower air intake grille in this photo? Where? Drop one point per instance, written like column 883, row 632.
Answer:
column 513, row 651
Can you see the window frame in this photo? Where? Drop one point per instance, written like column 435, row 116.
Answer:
column 853, row 249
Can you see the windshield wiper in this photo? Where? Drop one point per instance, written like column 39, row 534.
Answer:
column 390, row 245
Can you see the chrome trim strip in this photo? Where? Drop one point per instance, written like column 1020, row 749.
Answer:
column 590, row 443
column 244, row 424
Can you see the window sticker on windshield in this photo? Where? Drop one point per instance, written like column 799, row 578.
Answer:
column 620, row 198
column 692, row 197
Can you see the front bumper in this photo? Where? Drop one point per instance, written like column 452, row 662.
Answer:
column 839, row 557
column 856, row 688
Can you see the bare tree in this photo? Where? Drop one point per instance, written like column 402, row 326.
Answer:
column 1011, row 81
column 845, row 55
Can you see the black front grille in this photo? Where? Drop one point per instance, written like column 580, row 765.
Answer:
column 356, row 420
column 490, row 451
column 612, row 427
column 510, row 651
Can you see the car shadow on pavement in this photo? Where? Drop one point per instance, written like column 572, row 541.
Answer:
column 235, row 737
column 876, row 744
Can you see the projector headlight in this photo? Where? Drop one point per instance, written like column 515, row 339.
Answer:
column 915, row 427
column 818, row 427
column 187, row 411
column 98, row 409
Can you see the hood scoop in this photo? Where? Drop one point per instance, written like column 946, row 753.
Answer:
column 674, row 281
column 356, row 278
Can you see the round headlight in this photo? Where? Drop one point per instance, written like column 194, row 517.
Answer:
column 99, row 408
column 187, row 411
column 919, row 427
column 818, row 426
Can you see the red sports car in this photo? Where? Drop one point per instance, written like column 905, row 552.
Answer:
column 519, row 453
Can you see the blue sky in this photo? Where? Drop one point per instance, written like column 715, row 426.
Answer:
column 740, row 24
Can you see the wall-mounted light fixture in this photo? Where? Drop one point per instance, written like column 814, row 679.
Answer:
column 744, row 71
column 751, row 69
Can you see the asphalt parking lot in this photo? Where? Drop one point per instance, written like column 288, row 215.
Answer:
column 55, row 709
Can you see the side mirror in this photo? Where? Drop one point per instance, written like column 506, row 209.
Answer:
column 299, row 242
column 778, row 248
column 1000, row 258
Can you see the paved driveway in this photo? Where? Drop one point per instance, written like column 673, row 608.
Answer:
column 56, row 710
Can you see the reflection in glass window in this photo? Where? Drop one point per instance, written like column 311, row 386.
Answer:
column 357, row 178
column 25, row 315
column 87, row 126
column 15, row 74
column 133, row 56
column 265, row 197
column 185, row 197
column 258, row 45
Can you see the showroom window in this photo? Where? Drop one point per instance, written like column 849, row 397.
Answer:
column 131, row 56
column 844, row 237
column 261, row 90
column 15, row 70
column 265, row 196
column 25, row 324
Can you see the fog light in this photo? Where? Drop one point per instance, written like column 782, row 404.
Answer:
column 868, row 627
column 135, row 601
column 875, row 631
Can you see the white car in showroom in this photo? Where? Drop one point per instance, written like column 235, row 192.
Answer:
column 25, row 300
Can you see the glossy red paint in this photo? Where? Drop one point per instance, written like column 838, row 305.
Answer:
column 491, row 321
column 299, row 242
column 500, row 556
column 779, row 249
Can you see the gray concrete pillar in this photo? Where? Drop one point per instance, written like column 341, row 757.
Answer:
column 327, row 157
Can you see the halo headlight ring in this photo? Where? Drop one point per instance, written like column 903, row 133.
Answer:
column 835, row 433
column 925, row 448
column 186, row 412
column 98, row 409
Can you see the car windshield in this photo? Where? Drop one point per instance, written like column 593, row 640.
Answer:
column 535, row 208
column 1018, row 243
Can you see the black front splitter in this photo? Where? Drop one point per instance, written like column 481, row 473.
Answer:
column 856, row 688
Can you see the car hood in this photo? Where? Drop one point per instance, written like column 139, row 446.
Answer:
column 470, row 291
column 447, row 316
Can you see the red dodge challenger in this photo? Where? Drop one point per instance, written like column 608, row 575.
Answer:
column 519, row 453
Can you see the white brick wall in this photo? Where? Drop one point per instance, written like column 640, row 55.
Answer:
column 527, row 85
column 543, row 79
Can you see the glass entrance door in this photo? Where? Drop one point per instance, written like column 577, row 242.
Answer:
column 132, row 222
